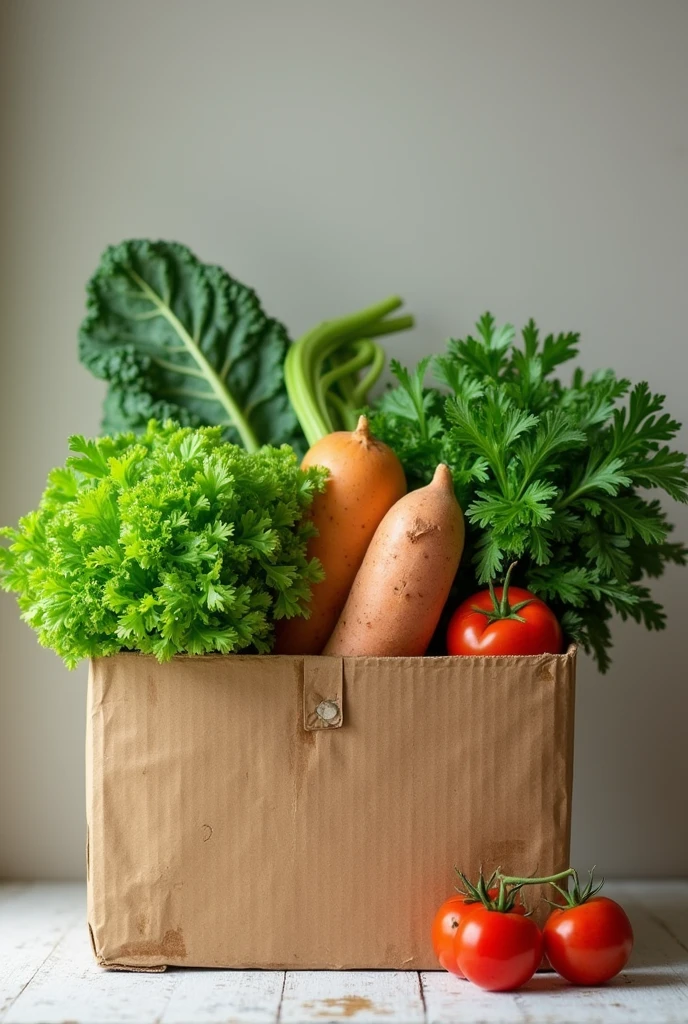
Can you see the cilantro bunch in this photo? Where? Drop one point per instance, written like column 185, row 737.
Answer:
column 553, row 475
column 167, row 542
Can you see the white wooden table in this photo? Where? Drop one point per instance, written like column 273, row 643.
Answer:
column 48, row 976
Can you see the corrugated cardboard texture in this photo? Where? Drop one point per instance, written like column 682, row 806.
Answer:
column 228, row 827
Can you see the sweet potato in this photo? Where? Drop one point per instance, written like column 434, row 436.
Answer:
column 366, row 479
column 401, row 588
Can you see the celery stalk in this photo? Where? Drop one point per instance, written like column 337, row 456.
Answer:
column 311, row 386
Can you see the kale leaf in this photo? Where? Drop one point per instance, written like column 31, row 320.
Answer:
column 552, row 475
column 179, row 339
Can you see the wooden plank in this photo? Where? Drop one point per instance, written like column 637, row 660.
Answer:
column 33, row 919
column 217, row 997
column 655, row 919
column 451, row 1000
column 10, row 889
column 625, row 1000
column 666, row 901
column 70, row 986
column 611, row 1005
column 629, row 998
column 363, row 996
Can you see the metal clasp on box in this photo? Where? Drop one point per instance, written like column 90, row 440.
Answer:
column 323, row 693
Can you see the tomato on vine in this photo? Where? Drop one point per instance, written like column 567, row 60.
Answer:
column 496, row 945
column 447, row 920
column 498, row 950
column 452, row 912
column 589, row 938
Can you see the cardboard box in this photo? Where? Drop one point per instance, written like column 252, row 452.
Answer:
column 288, row 812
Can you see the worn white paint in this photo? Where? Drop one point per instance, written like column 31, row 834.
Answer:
column 363, row 996
column 207, row 997
column 452, row 999
column 71, row 987
column 47, row 974
column 9, row 889
column 663, row 900
column 33, row 920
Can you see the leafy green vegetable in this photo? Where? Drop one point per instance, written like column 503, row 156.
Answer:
column 179, row 339
column 172, row 541
column 548, row 474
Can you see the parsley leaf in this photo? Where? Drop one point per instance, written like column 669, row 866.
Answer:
column 549, row 473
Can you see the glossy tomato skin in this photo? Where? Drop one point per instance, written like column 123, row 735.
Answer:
column 588, row 944
column 469, row 632
column 447, row 920
column 496, row 951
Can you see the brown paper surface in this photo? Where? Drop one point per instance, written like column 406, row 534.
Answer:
column 230, row 824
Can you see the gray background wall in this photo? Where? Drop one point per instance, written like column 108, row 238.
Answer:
column 529, row 157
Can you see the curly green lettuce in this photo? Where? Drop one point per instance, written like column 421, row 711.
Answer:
column 173, row 541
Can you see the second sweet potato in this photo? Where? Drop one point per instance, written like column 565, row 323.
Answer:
column 404, row 581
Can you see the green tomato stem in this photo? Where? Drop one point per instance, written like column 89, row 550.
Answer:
column 513, row 880
column 502, row 609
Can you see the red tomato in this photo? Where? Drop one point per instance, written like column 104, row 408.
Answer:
column 498, row 951
column 588, row 944
column 447, row 920
column 509, row 620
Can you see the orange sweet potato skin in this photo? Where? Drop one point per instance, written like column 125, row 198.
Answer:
column 404, row 581
column 366, row 479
